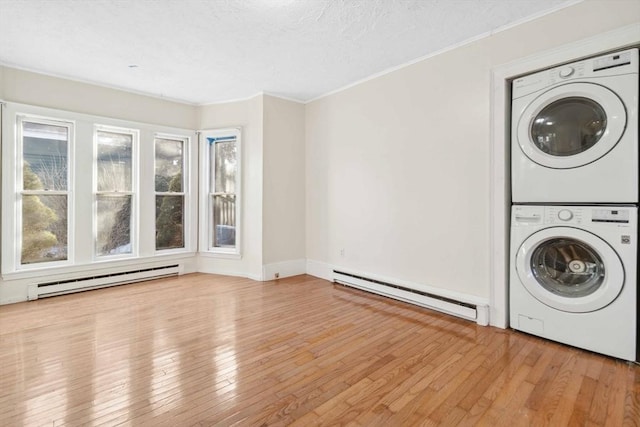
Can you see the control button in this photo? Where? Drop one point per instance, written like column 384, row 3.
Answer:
column 565, row 214
column 566, row 72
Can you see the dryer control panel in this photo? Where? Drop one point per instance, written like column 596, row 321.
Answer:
column 613, row 64
column 611, row 61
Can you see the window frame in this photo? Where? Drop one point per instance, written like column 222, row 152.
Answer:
column 80, row 259
column 20, row 192
column 207, row 180
column 134, row 192
column 186, row 199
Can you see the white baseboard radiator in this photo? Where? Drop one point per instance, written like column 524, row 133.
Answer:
column 60, row 287
column 443, row 304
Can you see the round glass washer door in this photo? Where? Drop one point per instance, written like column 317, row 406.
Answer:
column 570, row 269
column 571, row 125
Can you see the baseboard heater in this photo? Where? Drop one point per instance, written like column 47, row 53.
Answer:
column 60, row 287
column 424, row 299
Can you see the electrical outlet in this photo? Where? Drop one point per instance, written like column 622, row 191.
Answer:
column 277, row 275
column 341, row 252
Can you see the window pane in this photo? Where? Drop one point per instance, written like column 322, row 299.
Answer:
column 44, row 150
column 169, row 224
column 224, row 220
column 169, row 165
column 44, row 228
column 114, row 161
column 224, row 166
column 113, row 225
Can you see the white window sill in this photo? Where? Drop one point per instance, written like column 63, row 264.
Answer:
column 106, row 265
column 222, row 255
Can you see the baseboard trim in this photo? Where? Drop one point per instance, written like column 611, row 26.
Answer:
column 320, row 269
column 284, row 269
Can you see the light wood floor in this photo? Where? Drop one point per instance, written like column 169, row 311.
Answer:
column 212, row 350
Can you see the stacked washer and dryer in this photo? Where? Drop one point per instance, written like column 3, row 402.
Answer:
column 574, row 217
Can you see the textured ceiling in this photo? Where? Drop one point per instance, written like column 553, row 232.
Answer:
column 200, row 51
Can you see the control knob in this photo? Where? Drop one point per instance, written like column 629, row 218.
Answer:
column 566, row 72
column 565, row 215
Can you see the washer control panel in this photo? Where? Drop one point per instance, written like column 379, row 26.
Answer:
column 526, row 215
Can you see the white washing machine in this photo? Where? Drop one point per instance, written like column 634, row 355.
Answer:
column 574, row 132
column 573, row 276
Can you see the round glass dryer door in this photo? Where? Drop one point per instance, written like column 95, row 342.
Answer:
column 571, row 125
column 570, row 269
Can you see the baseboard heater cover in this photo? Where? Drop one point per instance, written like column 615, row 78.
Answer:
column 413, row 296
column 66, row 286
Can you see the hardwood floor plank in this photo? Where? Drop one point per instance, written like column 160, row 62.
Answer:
column 475, row 412
column 500, row 358
column 550, row 398
column 598, row 411
column 632, row 399
column 582, row 405
column 546, row 381
column 507, row 391
column 567, row 395
column 206, row 350
column 471, row 383
column 515, row 413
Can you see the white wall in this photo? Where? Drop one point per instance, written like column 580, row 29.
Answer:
column 45, row 91
column 398, row 167
column 248, row 115
column 283, row 188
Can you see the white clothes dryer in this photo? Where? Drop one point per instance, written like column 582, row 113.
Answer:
column 574, row 132
column 573, row 276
